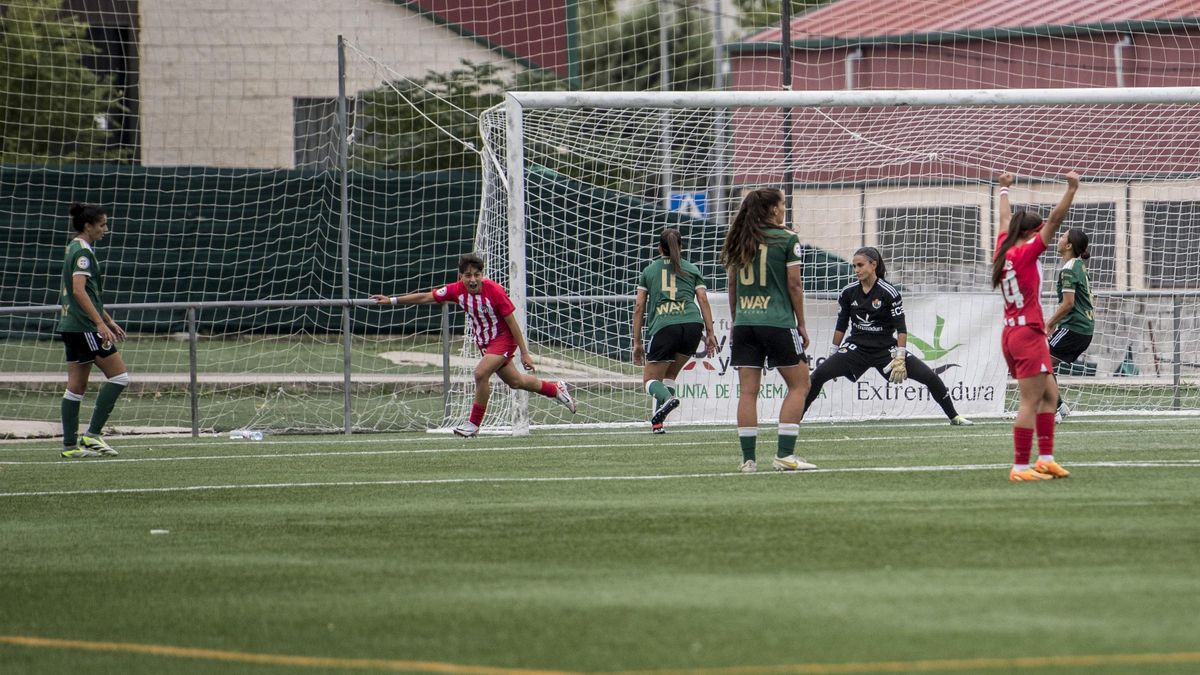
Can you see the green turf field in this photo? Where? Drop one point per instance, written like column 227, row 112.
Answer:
column 606, row 552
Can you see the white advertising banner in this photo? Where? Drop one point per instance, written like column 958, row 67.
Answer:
column 956, row 334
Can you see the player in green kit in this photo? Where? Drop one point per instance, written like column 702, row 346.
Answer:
column 1073, row 323
column 89, row 335
column 766, row 300
column 677, row 312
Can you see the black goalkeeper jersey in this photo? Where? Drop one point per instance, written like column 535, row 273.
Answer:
column 874, row 318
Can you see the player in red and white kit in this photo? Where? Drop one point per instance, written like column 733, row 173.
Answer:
column 496, row 333
column 1017, row 272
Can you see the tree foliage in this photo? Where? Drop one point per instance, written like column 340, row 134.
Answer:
column 432, row 123
column 756, row 15
column 621, row 52
column 55, row 107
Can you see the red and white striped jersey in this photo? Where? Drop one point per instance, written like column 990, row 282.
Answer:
column 485, row 310
column 1021, row 284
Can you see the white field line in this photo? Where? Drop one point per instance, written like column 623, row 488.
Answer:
column 370, row 438
column 1183, row 463
column 468, row 445
column 437, row 435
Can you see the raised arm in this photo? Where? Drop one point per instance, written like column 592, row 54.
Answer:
column 1005, row 181
column 1059, row 214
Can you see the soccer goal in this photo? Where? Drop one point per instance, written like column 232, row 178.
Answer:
column 580, row 185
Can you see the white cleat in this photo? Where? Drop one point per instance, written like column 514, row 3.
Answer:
column 791, row 463
column 960, row 421
column 1062, row 413
column 748, row 466
column 467, row 430
column 564, row 397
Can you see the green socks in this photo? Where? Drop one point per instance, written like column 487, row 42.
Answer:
column 105, row 401
column 70, row 419
column 659, row 391
column 748, row 437
column 787, row 439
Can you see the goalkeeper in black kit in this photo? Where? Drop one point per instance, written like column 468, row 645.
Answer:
column 874, row 312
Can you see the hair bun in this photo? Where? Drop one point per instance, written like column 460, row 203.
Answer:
column 1085, row 255
column 76, row 209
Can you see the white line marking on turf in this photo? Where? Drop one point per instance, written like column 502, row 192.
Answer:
column 466, row 446
column 163, row 443
column 577, row 479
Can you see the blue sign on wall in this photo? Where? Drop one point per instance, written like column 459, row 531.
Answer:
column 694, row 204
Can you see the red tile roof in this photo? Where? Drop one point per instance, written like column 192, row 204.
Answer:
column 877, row 18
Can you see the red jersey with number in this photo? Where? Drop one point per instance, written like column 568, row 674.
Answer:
column 485, row 310
column 1021, row 283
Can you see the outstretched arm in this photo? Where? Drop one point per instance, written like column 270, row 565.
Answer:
column 1059, row 214
column 409, row 299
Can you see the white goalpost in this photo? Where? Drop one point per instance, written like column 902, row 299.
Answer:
column 582, row 183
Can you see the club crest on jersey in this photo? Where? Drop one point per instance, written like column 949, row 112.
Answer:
column 441, row 292
column 83, row 263
column 876, row 303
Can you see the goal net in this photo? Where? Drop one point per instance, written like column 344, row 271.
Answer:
column 592, row 179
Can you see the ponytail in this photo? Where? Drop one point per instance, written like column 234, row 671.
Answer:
column 1078, row 240
column 748, row 228
column 670, row 244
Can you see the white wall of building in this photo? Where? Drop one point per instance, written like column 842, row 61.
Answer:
column 219, row 77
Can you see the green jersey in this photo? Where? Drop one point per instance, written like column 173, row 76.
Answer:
column 81, row 259
column 1073, row 277
column 762, row 288
column 672, row 298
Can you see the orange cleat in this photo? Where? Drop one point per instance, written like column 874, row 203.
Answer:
column 1027, row 475
column 1051, row 469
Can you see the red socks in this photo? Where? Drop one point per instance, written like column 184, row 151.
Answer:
column 1045, row 433
column 549, row 389
column 1023, row 443
column 477, row 414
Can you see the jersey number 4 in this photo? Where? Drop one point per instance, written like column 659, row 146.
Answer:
column 1011, row 289
column 668, row 284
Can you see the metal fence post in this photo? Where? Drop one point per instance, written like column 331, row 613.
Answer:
column 193, row 368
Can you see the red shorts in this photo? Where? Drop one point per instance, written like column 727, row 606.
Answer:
column 1026, row 351
column 506, row 346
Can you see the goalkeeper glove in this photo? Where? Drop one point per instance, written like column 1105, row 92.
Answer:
column 898, row 371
